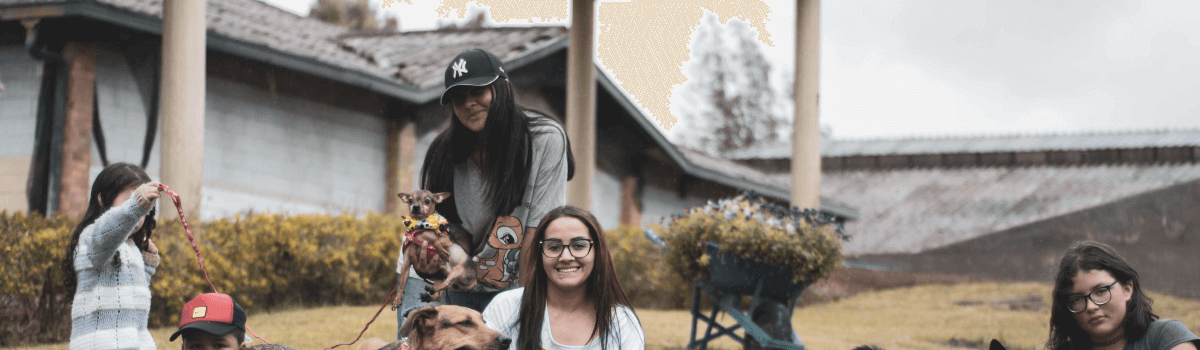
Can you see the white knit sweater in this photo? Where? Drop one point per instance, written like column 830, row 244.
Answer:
column 112, row 301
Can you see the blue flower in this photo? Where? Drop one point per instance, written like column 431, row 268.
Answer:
column 653, row 237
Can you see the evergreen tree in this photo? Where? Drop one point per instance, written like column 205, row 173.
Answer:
column 728, row 102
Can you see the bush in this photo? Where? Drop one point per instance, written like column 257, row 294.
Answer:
column 750, row 227
column 33, row 305
column 264, row 260
column 642, row 268
column 271, row 260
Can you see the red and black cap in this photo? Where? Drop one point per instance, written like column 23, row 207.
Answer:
column 214, row 313
column 474, row 67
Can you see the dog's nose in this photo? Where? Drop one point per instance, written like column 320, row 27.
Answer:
column 504, row 341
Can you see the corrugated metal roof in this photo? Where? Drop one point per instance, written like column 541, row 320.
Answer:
column 914, row 210
column 985, row 144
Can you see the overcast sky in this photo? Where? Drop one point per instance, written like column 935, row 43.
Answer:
column 975, row 67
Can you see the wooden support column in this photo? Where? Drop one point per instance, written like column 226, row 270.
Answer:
column 183, row 90
column 401, row 163
column 80, row 59
column 806, row 134
column 631, row 202
column 581, row 102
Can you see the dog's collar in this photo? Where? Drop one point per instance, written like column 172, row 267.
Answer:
column 404, row 344
column 433, row 222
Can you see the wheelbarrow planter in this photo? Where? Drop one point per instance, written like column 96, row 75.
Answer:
column 771, row 253
column 729, row 278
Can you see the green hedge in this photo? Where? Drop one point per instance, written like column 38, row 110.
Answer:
column 266, row 261
column 644, row 272
column 33, row 305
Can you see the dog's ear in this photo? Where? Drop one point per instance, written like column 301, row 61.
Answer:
column 420, row 323
column 996, row 345
column 440, row 196
column 405, row 197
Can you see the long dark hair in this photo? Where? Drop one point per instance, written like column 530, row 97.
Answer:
column 603, row 287
column 505, row 145
column 1065, row 333
column 114, row 179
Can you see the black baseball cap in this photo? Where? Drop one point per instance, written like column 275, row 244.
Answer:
column 215, row 313
column 474, row 67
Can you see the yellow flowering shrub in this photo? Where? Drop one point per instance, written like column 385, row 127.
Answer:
column 33, row 305
column 264, row 260
column 270, row 260
column 749, row 227
column 644, row 273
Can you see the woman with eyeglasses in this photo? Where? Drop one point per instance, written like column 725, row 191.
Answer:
column 573, row 299
column 505, row 164
column 1099, row 304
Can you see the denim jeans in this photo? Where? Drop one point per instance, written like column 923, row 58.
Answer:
column 475, row 301
column 412, row 300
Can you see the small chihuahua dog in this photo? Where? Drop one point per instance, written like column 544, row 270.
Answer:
column 428, row 247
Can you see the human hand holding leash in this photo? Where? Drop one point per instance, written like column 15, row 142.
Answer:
column 150, row 190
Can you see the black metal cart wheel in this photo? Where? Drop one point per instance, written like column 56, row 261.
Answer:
column 730, row 278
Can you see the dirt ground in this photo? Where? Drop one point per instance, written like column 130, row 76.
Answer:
column 848, row 281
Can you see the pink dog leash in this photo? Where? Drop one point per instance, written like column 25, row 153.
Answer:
column 199, row 258
column 385, row 303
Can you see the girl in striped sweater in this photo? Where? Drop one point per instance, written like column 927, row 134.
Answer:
column 110, row 260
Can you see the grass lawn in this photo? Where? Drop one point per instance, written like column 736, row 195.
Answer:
column 919, row 317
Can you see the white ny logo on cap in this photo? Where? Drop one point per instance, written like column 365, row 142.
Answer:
column 460, row 67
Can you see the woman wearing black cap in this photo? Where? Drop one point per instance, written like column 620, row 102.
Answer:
column 506, row 165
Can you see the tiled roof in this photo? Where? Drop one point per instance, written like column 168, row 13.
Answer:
column 416, row 59
column 260, row 23
column 986, row 144
column 748, row 177
column 30, row 2
column 420, row 58
column 913, row 210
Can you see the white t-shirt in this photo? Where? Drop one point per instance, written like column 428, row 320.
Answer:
column 501, row 314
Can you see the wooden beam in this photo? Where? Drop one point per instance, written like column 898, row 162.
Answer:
column 183, row 90
column 806, row 133
column 80, row 59
column 581, row 102
column 401, row 163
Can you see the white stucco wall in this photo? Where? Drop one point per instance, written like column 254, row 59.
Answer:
column 606, row 199
column 262, row 152
column 660, row 203
column 122, row 116
column 267, row 152
column 22, row 79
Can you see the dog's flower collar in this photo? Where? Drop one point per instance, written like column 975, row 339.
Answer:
column 432, row 222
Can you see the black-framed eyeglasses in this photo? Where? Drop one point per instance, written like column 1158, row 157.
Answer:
column 1100, row 296
column 553, row 248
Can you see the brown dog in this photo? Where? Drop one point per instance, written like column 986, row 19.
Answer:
column 427, row 238
column 445, row 327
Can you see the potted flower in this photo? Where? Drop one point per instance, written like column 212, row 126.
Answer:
column 733, row 242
